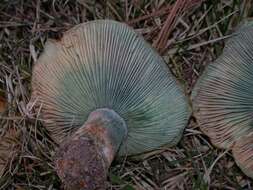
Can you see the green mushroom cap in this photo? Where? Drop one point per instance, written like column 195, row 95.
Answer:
column 105, row 64
column 223, row 96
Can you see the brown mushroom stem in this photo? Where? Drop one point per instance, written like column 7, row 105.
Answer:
column 82, row 162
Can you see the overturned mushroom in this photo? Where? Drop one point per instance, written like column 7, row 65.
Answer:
column 223, row 98
column 242, row 151
column 103, row 91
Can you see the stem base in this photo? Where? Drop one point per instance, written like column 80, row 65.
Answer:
column 82, row 161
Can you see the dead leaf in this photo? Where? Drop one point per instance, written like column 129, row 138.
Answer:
column 3, row 104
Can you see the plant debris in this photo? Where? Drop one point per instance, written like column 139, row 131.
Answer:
column 195, row 38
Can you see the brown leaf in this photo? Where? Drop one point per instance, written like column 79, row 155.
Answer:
column 3, row 104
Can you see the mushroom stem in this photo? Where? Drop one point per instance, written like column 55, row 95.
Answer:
column 82, row 161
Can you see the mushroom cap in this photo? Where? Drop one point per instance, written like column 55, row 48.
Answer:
column 105, row 64
column 223, row 96
column 243, row 154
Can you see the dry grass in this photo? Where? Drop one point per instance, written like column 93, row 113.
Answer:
column 188, row 34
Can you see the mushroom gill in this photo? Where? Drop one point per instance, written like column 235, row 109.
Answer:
column 222, row 98
column 243, row 154
column 103, row 91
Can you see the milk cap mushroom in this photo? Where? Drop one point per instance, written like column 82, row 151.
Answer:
column 242, row 151
column 223, row 97
column 103, row 91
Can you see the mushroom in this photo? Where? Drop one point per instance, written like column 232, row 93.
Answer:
column 103, row 92
column 223, row 98
column 242, row 151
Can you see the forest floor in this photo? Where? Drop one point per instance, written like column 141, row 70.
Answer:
column 189, row 34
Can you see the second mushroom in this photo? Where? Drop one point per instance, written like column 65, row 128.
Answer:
column 223, row 98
